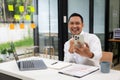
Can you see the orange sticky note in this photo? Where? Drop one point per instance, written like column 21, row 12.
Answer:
column 12, row 26
column 21, row 25
column 33, row 25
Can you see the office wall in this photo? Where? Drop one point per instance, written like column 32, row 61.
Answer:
column 99, row 16
column 114, row 14
column 48, row 24
column 81, row 7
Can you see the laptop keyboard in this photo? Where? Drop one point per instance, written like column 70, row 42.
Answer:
column 28, row 64
column 33, row 64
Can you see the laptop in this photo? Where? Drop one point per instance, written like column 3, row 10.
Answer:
column 29, row 64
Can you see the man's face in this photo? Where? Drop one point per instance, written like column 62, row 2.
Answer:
column 75, row 25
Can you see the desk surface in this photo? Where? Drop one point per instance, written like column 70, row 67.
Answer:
column 10, row 68
column 114, row 40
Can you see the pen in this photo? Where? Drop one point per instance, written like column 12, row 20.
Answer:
column 54, row 63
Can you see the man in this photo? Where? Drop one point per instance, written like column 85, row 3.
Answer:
column 89, row 53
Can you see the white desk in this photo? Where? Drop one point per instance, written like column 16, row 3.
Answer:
column 10, row 68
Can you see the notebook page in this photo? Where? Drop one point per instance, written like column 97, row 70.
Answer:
column 78, row 70
column 59, row 65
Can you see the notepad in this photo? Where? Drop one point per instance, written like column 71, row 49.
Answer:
column 12, row 26
column 10, row 8
column 78, row 70
column 59, row 65
column 27, row 17
column 22, row 25
column 21, row 8
column 33, row 25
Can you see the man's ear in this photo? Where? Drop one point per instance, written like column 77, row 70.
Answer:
column 83, row 25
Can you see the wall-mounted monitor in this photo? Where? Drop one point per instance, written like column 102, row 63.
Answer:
column 116, row 33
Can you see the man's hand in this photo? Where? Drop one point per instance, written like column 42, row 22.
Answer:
column 83, row 50
column 71, row 49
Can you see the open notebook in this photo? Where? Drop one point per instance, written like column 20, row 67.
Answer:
column 59, row 65
column 78, row 70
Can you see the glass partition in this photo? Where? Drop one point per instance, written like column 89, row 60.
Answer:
column 15, row 26
column 99, row 20
column 48, row 27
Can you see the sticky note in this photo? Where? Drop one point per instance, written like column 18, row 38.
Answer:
column 12, row 26
column 33, row 25
column 10, row 8
column 32, row 9
column 21, row 25
column 21, row 8
column 27, row 17
column 17, row 17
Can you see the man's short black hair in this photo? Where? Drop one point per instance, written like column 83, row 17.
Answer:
column 76, row 14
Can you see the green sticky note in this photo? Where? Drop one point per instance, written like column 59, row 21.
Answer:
column 21, row 8
column 10, row 8
column 27, row 17
column 32, row 9
column 17, row 17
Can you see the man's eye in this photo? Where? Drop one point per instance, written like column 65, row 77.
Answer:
column 77, row 23
column 71, row 23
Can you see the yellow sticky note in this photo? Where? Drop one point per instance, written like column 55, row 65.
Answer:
column 12, row 26
column 27, row 17
column 21, row 25
column 32, row 9
column 33, row 25
column 10, row 8
column 21, row 8
column 17, row 17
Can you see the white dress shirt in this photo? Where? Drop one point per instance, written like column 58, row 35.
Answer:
column 94, row 46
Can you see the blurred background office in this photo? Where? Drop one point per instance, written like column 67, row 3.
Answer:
column 50, row 17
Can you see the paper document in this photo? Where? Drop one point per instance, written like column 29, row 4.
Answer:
column 59, row 65
column 78, row 70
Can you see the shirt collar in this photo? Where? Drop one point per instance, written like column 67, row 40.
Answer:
column 82, row 33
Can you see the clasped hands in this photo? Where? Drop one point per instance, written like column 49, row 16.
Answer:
column 81, row 49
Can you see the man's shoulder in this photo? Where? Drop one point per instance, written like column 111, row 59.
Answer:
column 67, row 42
column 89, row 34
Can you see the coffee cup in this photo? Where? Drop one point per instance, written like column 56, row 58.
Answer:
column 105, row 67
